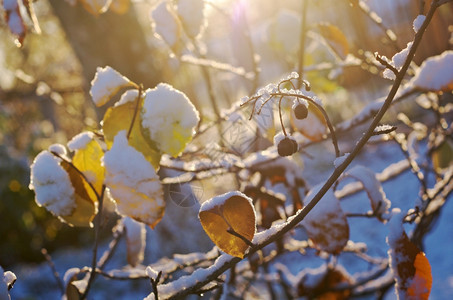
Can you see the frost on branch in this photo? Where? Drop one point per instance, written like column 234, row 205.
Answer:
column 135, row 240
column 435, row 73
column 133, row 182
column 191, row 14
column 52, row 185
column 168, row 118
column 409, row 265
column 106, row 83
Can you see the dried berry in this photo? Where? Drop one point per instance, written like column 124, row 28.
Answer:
column 300, row 111
column 287, row 146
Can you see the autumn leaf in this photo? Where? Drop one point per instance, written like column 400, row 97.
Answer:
column 119, row 117
column 326, row 223
column 232, row 211
column 409, row 264
column 335, row 38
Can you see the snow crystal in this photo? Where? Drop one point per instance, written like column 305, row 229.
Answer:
column 400, row 57
column 80, row 141
column 165, row 24
column 339, row 160
column 169, row 117
column 191, row 14
column 151, row 273
column 106, row 83
column 127, row 96
column 58, row 148
column 132, row 179
column 52, row 185
column 221, row 199
column 418, row 22
column 435, row 73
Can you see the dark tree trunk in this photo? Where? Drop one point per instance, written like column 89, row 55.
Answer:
column 109, row 39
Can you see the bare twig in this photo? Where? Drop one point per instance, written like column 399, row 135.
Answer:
column 54, row 270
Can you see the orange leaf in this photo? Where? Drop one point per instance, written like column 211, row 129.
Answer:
column 409, row 265
column 232, row 210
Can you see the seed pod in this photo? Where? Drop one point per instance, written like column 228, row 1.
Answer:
column 287, row 146
column 300, row 111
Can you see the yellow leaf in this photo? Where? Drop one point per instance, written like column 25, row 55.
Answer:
column 119, row 118
column 120, row 6
column 326, row 223
column 85, row 209
column 443, row 156
column 230, row 211
column 88, row 161
column 314, row 126
column 335, row 38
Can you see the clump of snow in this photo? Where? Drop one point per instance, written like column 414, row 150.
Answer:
column 373, row 188
column 169, row 118
column 398, row 61
column 191, row 14
column 165, row 24
column 280, row 136
column 151, row 273
column 80, row 140
column 435, row 73
column 136, row 241
column 52, row 185
column 418, row 22
column 133, row 182
column 339, row 160
column 127, row 96
column 58, row 148
column 221, row 199
column 4, row 295
column 395, row 226
column 106, row 83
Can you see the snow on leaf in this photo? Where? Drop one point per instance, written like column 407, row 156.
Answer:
column 52, row 185
column 191, row 14
column 326, row 224
column 435, row 73
column 168, row 119
column 135, row 241
column 314, row 126
column 166, row 25
column 335, row 38
column 379, row 202
column 230, row 211
column 106, row 83
column 119, row 118
column 409, row 265
column 96, row 7
column 133, row 182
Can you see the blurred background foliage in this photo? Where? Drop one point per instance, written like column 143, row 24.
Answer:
column 43, row 85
